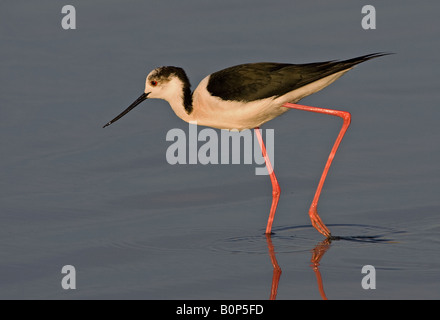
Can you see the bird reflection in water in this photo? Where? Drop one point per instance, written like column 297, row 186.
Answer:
column 317, row 254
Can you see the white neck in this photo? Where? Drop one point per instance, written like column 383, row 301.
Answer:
column 174, row 93
column 176, row 103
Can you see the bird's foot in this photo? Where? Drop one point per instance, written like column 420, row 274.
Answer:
column 318, row 224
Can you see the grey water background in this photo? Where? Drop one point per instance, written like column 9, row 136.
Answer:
column 107, row 202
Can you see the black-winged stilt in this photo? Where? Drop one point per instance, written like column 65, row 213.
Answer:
column 247, row 96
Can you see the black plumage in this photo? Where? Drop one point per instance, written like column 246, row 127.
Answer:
column 254, row 81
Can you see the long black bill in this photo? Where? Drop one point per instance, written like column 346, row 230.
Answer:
column 131, row 107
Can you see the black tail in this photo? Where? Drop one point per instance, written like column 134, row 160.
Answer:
column 354, row 61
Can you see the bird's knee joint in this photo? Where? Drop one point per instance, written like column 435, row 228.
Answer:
column 346, row 116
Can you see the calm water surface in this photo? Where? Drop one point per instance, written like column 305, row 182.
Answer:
column 107, row 202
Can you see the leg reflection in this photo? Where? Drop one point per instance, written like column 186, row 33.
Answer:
column 317, row 254
column 276, row 269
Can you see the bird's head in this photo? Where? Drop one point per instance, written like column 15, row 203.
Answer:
column 167, row 83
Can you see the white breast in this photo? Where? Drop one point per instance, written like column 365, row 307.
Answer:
column 217, row 113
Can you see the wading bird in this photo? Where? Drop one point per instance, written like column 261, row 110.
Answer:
column 247, row 96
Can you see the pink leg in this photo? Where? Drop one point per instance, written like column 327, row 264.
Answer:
column 316, row 220
column 275, row 186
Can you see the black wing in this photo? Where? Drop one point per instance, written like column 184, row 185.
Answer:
column 254, row 81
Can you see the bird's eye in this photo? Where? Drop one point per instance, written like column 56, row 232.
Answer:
column 153, row 83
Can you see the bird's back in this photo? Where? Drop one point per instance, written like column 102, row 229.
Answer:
column 255, row 81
